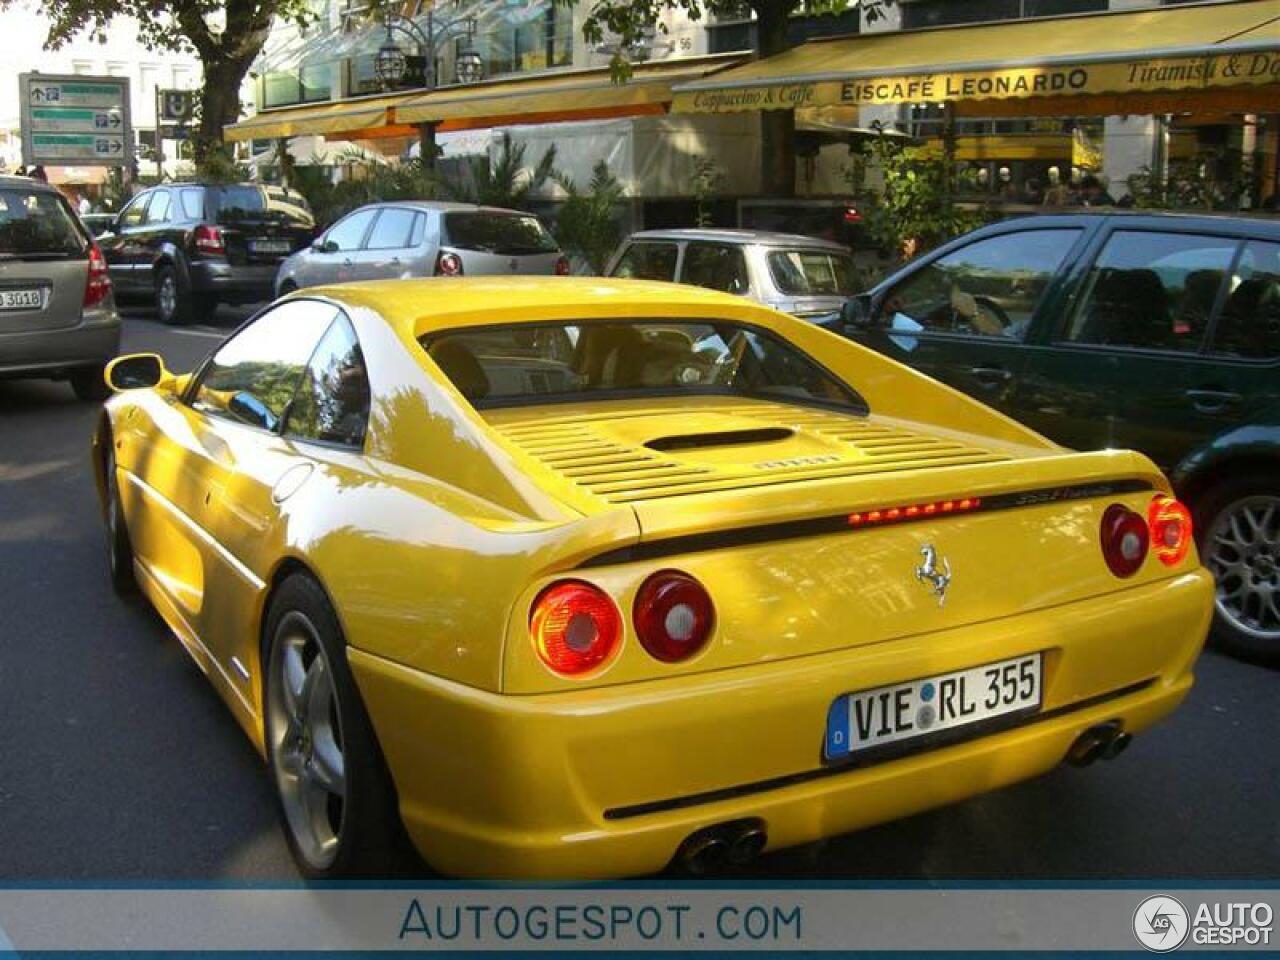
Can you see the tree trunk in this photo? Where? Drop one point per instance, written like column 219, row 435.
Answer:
column 777, row 127
column 219, row 102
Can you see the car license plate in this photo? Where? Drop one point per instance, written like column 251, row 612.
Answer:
column 872, row 718
column 270, row 246
column 21, row 300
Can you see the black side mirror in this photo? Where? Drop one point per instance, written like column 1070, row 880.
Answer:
column 856, row 314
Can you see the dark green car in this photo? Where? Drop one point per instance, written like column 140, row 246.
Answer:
column 1157, row 333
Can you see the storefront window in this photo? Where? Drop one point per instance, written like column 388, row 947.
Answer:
column 305, row 85
column 519, row 39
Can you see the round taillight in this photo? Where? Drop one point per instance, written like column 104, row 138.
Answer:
column 562, row 267
column 449, row 265
column 673, row 616
column 575, row 627
column 1124, row 540
column 1170, row 525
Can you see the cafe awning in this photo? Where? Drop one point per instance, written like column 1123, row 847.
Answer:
column 1151, row 52
column 351, row 120
column 552, row 97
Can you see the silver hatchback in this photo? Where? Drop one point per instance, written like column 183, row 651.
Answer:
column 798, row 275
column 57, row 312
column 387, row 241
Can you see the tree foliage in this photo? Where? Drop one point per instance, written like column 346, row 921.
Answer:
column 587, row 224
column 186, row 26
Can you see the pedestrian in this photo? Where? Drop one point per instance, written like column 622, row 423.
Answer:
column 37, row 173
column 1093, row 193
column 83, row 205
column 1057, row 195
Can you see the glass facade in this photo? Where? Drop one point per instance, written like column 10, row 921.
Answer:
column 940, row 13
column 304, row 85
column 728, row 37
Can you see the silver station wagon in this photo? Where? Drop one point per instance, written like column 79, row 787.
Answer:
column 398, row 240
column 58, row 315
column 798, row 275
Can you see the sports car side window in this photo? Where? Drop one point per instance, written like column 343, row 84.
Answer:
column 332, row 405
column 254, row 375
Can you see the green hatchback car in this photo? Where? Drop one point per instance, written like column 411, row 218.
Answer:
column 1157, row 333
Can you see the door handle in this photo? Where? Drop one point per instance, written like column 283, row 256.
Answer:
column 346, row 262
column 991, row 377
column 1212, row 401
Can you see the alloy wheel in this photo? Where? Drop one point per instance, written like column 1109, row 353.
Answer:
column 305, row 740
column 167, row 295
column 1242, row 550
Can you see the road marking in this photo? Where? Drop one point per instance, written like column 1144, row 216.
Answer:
column 199, row 333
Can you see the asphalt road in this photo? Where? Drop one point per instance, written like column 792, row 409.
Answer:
column 117, row 760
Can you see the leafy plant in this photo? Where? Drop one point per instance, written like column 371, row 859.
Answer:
column 1212, row 181
column 915, row 210
column 368, row 180
column 219, row 165
column 588, row 225
column 502, row 183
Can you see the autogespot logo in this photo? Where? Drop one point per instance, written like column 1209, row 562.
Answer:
column 1161, row 923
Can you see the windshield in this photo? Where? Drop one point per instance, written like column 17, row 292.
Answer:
column 247, row 202
column 602, row 360
column 508, row 234
column 38, row 222
column 812, row 272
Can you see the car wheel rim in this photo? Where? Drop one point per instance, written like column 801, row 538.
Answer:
column 1242, row 549
column 167, row 296
column 306, row 740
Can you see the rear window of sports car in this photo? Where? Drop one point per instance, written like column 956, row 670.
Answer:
column 602, row 360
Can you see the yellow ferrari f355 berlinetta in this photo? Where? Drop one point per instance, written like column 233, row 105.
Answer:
column 573, row 577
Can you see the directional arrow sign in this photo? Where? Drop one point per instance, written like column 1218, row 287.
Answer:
column 74, row 120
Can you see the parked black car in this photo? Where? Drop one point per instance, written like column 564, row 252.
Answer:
column 1158, row 333
column 188, row 247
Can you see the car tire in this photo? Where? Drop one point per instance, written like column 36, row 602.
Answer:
column 176, row 304
column 89, row 384
column 119, row 550
column 335, row 798
column 1238, row 533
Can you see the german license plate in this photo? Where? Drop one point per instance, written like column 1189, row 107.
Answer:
column 21, row 300
column 904, row 711
column 269, row 246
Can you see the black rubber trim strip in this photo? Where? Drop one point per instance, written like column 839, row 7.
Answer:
column 871, row 758
column 818, row 526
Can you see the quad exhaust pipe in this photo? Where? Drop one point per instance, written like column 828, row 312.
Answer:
column 1103, row 742
column 711, row 848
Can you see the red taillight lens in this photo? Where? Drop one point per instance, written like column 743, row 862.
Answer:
column 673, row 616
column 562, row 267
column 448, row 265
column 98, row 284
column 1170, row 525
column 208, row 239
column 575, row 627
column 1124, row 540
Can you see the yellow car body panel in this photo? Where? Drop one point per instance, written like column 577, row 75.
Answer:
column 433, row 541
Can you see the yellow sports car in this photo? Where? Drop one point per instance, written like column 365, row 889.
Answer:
column 569, row 578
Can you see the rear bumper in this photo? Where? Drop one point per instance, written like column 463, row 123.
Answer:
column 95, row 340
column 231, row 283
column 608, row 782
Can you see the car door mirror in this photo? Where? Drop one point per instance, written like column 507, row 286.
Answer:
column 857, row 312
column 247, row 408
column 137, row 371
column 321, row 245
